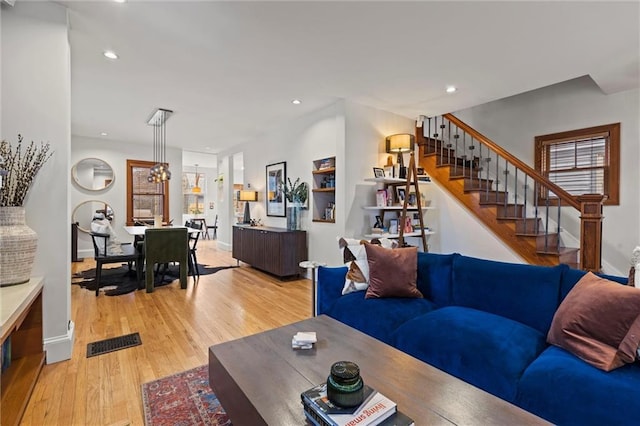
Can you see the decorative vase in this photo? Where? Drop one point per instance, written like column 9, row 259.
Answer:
column 293, row 217
column 18, row 244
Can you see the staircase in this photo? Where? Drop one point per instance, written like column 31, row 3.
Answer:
column 520, row 206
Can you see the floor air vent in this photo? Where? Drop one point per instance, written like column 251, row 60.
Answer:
column 113, row 344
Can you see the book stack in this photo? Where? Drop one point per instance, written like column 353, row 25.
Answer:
column 376, row 409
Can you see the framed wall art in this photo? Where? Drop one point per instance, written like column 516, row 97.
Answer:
column 276, row 202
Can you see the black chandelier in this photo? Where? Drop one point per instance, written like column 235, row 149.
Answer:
column 160, row 170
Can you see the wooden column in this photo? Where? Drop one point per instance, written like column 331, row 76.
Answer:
column 591, row 231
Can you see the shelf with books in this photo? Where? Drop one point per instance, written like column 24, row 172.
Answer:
column 324, row 190
column 386, row 214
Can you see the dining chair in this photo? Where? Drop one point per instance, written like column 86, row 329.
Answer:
column 164, row 245
column 130, row 254
column 193, row 242
column 214, row 227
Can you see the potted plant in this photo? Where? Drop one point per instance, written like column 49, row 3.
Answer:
column 18, row 242
column 295, row 193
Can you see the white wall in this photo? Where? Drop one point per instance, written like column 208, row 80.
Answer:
column 315, row 136
column 355, row 135
column 515, row 121
column 36, row 102
column 116, row 154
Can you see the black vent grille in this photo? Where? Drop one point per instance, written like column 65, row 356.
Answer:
column 113, row 344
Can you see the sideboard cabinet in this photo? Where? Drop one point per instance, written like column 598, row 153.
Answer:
column 274, row 250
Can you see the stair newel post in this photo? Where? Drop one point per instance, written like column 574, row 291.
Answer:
column 591, row 231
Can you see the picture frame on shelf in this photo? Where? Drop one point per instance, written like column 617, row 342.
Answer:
column 420, row 171
column 412, row 200
column 393, row 226
column 378, row 172
column 276, row 173
column 400, row 193
column 388, row 172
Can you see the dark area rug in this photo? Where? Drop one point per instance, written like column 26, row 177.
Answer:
column 182, row 399
column 119, row 280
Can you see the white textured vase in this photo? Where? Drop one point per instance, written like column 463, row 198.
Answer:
column 18, row 244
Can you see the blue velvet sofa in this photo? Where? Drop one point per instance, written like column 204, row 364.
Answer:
column 486, row 323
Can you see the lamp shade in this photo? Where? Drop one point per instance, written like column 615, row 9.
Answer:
column 401, row 142
column 248, row 195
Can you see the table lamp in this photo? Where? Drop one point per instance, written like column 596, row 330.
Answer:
column 400, row 143
column 247, row 196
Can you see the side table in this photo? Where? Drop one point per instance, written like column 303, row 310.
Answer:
column 313, row 266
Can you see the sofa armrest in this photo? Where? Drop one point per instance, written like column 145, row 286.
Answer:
column 329, row 287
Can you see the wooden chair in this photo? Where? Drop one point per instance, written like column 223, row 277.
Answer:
column 164, row 245
column 130, row 255
column 214, row 227
column 193, row 242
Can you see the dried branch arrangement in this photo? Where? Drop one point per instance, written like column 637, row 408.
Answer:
column 21, row 168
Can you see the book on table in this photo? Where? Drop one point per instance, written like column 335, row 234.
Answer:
column 396, row 419
column 374, row 409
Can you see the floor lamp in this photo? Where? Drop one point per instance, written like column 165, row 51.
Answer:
column 247, row 196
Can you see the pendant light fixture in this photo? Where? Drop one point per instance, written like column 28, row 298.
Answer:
column 160, row 171
column 196, row 189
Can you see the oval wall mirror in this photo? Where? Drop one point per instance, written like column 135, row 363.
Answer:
column 87, row 210
column 92, row 174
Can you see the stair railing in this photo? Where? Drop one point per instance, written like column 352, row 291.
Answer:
column 519, row 190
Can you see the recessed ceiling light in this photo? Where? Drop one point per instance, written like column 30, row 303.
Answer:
column 296, row 101
column 110, row 54
column 120, row 1
column 451, row 89
column 103, row 133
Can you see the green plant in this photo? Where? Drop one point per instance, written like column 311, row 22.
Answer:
column 296, row 192
column 21, row 169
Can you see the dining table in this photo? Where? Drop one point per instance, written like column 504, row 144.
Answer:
column 138, row 231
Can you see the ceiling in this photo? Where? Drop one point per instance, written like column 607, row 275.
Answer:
column 229, row 70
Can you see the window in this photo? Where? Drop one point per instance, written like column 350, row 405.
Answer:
column 145, row 199
column 584, row 161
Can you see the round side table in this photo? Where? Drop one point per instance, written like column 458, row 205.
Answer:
column 313, row 266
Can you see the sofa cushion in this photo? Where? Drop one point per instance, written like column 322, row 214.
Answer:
column 524, row 293
column 392, row 272
column 599, row 322
column 484, row 349
column 329, row 288
column 581, row 394
column 377, row 317
column 434, row 277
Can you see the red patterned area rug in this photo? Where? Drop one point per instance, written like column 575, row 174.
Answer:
column 183, row 399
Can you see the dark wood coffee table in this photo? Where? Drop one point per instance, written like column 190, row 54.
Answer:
column 258, row 379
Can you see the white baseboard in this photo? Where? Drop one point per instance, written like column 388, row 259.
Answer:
column 223, row 246
column 86, row 254
column 60, row 348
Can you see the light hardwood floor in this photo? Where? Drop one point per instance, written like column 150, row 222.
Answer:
column 176, row 327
